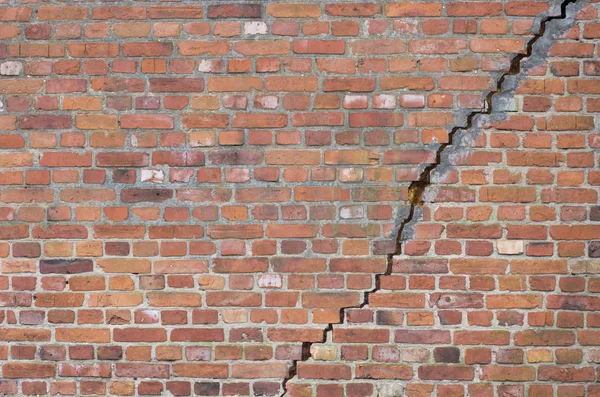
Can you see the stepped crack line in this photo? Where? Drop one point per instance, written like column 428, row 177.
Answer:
column 417, row 188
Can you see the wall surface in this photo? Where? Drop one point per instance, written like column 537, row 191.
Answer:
column 310, row 199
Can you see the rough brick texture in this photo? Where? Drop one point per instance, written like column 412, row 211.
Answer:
column 197, row 198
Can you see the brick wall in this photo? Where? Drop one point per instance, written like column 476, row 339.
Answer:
column 210, row 198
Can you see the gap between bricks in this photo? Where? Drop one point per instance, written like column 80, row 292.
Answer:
column 417, row 188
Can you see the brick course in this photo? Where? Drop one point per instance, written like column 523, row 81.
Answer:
column 204, row 199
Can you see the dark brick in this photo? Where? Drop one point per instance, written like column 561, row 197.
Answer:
column 234, row 11
column 146, row 195
column 206, row 388
column 110, row 352
column 26, row 250
column 594, row 249
column 66, row 266
column 266, row 389
column 116, row 248
column 237, row 157
column 446, row 354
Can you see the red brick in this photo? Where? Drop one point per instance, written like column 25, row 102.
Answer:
column 508, row 374
column 380, row 46
column 374, row 371
column 16, row 14
column 446, row 373
column 260, row 178
column 353, row 9
column 324, row 371
column 50, row 13
column 406, row 9
column 28, row 370
column 293, row 10
column 474, row 9
column 176, row 85
column 154, row 121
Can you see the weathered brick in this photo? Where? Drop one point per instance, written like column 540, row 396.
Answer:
column 45, row 122
column 28, row 370
column 222, row 186
column 66, row 266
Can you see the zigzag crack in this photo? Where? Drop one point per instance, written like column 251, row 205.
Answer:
column 417, row 188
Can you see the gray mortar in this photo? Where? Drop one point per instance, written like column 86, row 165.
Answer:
column 504, row 102
column 409, row 228
column 463, row 137
column 403, row 214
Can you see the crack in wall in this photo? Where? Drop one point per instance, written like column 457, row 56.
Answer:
column 416, row 190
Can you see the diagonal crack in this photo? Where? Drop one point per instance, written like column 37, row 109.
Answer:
column 417, row 188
